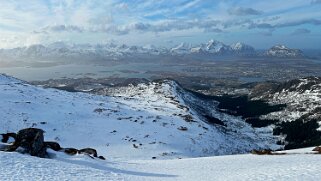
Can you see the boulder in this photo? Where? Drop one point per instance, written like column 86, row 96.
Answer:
column 101, row 157
column 37, row 146
column 318, row 149
column 32, row 142
column 70, row 151
column 262, row 152
column 88, row 151
column 53, row 145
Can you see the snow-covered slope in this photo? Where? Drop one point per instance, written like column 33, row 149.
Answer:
column 295, row 166
column 144, row 121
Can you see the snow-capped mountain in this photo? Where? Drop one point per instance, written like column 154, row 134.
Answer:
column 217, row 47
column 158, row 119
column 214, row 47
column 183, row 48
column 114, row 51
column 282, row 51
column 63, row 50
column 243, row 49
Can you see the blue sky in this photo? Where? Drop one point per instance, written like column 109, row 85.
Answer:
column 260, row 23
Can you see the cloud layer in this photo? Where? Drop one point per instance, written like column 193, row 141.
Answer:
column 157, row 21
column 240, row 11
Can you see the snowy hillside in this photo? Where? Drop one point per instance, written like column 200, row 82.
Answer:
column 136, row 122
column 294, row 166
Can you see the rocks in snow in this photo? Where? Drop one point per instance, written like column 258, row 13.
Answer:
column 31, row 141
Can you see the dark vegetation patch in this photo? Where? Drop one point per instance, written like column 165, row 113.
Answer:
column 259, row 123
column 67, row 88
column 213, row 120
column 243, row 106
column 182, row 128
column 299, row 133
column 248, row 109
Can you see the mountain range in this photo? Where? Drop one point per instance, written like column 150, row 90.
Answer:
column 114, row 51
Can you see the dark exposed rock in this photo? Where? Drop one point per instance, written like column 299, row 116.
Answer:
column 182, row 128
column 318, row 149
column 38, row 147
column 88, row 151
column 31, row 140
column 5, row 137
column 71, row 151
column 53, row 145
column 101, row 157
column 214, row 120
column 262, row 152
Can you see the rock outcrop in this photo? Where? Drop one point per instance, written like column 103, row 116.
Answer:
column 31, row 141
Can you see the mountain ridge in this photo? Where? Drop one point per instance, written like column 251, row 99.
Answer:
column 157, row 119
column 211, row 48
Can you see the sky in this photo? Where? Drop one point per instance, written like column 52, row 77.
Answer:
column 260, row 23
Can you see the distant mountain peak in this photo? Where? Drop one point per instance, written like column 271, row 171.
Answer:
column 182, row 48
column 283, row 51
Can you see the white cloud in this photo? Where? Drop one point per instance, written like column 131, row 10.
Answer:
column 122, row 6
column 241, row 11
column 301, row 31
